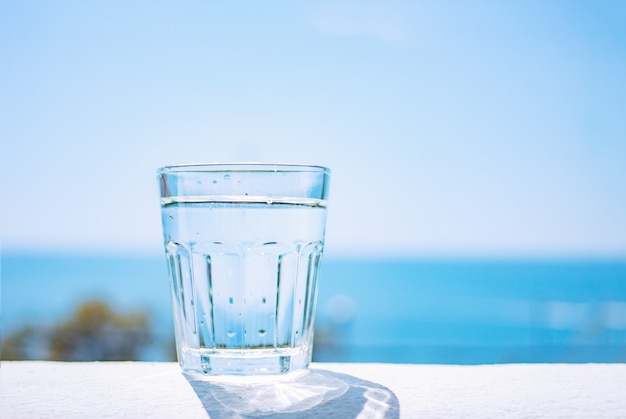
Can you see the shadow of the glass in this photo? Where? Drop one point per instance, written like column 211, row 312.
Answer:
column 310, row 393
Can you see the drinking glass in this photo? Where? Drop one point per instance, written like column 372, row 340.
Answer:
column 243, row 244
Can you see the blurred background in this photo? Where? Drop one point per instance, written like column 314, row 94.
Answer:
column 477, row 206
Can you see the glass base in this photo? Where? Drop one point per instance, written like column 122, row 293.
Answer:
column 209, row 362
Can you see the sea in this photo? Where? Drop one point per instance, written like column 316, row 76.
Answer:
column 411, row 310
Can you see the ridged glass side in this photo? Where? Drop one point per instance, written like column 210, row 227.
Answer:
column 183, row 300
column 244, row 297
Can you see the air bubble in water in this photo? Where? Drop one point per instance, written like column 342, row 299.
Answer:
column 230, row 300
column 269, row 201
column 262, row 332
column 226, row 177
column 263, row 300
column 231, row 334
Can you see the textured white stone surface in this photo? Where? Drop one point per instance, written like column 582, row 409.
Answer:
column 160, row 390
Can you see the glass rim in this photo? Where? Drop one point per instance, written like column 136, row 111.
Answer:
column 242, row 167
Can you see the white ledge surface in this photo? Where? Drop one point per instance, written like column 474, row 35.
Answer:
column 160, row 390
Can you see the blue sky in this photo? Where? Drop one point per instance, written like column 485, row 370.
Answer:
column 479, row 128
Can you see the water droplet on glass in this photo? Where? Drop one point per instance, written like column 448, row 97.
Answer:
column 230, row 300
column 214, row 182
column 226, row 177
column 263, row 300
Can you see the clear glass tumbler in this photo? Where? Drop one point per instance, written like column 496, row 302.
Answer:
column 243, row 244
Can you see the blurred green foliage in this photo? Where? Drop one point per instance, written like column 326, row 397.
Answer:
column 94, row 333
